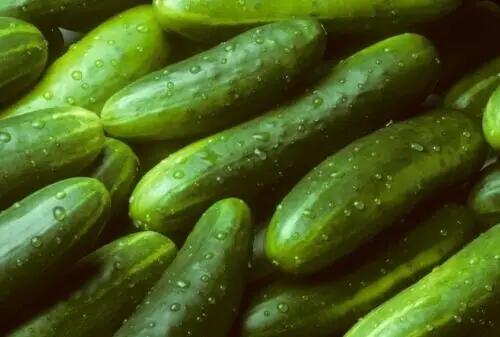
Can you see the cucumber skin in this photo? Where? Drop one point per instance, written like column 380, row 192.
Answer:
column 368, row 185
column 327, row 308
column 491, row 119
column 24, row 54
column 221, row 19
column 450, row 301
column 202, row 288
column 104, row 67
column 36, row 246
column 71, row 14
column 484, row 198
column 471, row 94
column 207, row 95
column 45, row 146
column 241, row 160
column 100, row 295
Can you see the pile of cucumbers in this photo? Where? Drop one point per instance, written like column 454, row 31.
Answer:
column 249, row 168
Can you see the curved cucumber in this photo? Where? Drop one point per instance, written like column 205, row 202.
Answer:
column 329, row 308
column 200, row 292
column 73, row 14
column 471, row 94
column 219, row 19
column 218, row 88
column 368, row 185
column 491, row 119
column 453, row 300
column 484, row 199
column 45, row 146
column 46, row 232
column 358, row 94
column 23, row 51
column 104, row 288
column 114, row 54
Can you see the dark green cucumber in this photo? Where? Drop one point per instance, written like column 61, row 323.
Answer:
column 45, row 146
column 491, row 118
column 104, row 288
column 454, row 300
column 218, row 88
column 200, row 292
column 73, row 14
column 358, row 93
column 24, row 53
column 484, row 198
column 262, row 268
column 368, row 185
column 151, row 153
column 471, row 94
column 219, row 19
column 45, row 233
column 108, row 58
column 331, row 307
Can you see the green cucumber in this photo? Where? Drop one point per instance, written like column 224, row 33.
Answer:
column 24, row 53
column 330, row 307
column 491, row 118
column 368, row 185
column 218, row 88
column 358, row 93
column 484, row 198
column 454, row 300
column 104, row 288
column 46, row 232
column 114, row 54
column 151, row 153
column 219, row 19
column 201, row 290
column 73, row 14
column 262, row 268
column 45, row 146
column 471, row 94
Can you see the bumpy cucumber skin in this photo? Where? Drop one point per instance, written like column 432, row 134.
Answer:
column 46, row 232
column 358, row 92
column 111, row 56
column 471, row 94
column 220, row 19
column 218, row 88
column 24, row 53
column 491, row 119
column 72, row 14
column 200, row 292
column 453, row 300
column 484, row 198
column 104, row 288
column 45, row 146
column 327, row 308
column 368, row 185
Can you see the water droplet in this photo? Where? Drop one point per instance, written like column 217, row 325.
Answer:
column 70, row 100
column 209, row 256
column 417, row 147
column 359, row 205
column 261, row 154
column 142, row 28
column 38, row 124
column 466, row 134
column 76, row 75
column 436, row 148
column 318, row 101
column 429, row 327
column 5, row 137
column 36, row 242
column 283, row 307
column 183, row 284
column 61, row 195
column 178, row 174
column 195, row 69
column 59, row 213
column 488, row 288
column 221, row 235
column 443, row 232
column 48, row 95
column 347, row 212
column 175, row 307
column 205, row 278
column 117, row 265
column 99, row 63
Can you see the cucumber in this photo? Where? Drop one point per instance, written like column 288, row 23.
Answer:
column 357, row 93
column 46, row 232
column 45, row 146
column 200, row 292
column 484, row 198
column 151, row 153
column 471, row 94
column 73, row 14
column 104, row 288
column 453, row 300
column 219, row 19
column 330, row 307
column 262, row 268
column 491, row 118
column 218, row 88
column 55, row 40
column 368, row 185
column 108, row 58
column 24, row 53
